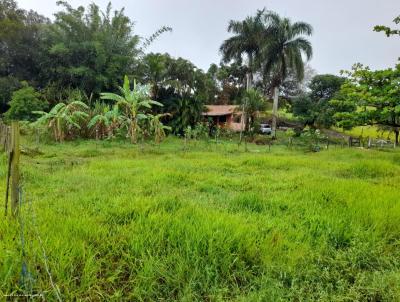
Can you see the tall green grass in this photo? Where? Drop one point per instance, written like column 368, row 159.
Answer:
column 369, row 131
column 120, row 222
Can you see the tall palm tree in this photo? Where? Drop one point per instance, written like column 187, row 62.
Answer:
column 246, row 41
column 283, row 52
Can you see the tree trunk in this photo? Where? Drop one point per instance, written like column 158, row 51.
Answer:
column 248, row 81
column 244, row 116
column 249, row 84
column 275, row 111
column 396, row 133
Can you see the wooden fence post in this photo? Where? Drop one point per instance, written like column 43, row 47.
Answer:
column 15, row 151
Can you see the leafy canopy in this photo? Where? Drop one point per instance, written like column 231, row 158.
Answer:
column 284, row 45
column 370, row 98
column 134, row 105
column 90, row 48
column 314, row 107
column 23, row 102
column 387, row 30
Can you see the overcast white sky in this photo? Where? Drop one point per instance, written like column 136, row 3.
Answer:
column 343, row 28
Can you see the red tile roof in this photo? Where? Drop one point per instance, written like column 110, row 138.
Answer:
column 221, row 110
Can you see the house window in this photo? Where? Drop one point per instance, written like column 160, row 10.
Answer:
column 222, row 119
column 237, row 119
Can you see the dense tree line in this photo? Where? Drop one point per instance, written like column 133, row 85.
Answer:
column 85, row 52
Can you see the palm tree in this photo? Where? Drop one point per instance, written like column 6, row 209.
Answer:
column 245, row 41
column 62, row 118
column 283, row 52
column 133, row 104
column 253, row 102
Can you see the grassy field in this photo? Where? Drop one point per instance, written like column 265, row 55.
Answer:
column 369, row 131
column 119, row 222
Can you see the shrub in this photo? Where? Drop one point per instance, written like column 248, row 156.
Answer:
column 23, row 102
column 262, row 140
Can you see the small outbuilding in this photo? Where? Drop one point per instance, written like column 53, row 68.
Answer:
column 225, row 116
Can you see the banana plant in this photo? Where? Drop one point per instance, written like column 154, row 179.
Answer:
column 116, row 120
column 100, row 122
column 62, row 118
column 133, row 104
column 106, row 121
column 157, row 126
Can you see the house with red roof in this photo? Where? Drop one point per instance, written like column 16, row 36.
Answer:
column 225, row 116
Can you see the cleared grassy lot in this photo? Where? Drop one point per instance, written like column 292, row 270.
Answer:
column 119, row 222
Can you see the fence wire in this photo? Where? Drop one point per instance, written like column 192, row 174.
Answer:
column 26, row 278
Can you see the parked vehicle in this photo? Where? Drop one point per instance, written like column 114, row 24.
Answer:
column 265, row 129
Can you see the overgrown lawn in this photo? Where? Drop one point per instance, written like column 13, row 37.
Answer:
column 147, row 223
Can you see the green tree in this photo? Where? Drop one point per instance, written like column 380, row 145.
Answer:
column 24, row 101
column 283, row 46
column 90, row 48
column 229, row 82
column 246, row 41
column 314, row 107
column 325, row 86
column 22, row 49
column 154, row 71
column 387, row 30
column 180, row 86
column 21, row 41
column 185, row 112
column 370, row 98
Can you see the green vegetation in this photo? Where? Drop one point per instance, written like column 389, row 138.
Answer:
column 62, row 118
column 132, row 102
column 121, row 222
column 289, row 217
column 369, row 131
column 23, row 102
column 370, row 98
column 387, row 30
column 314, row 108
column 274, row 47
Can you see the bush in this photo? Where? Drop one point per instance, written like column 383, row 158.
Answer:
column 23, row 102
column 262, row 140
